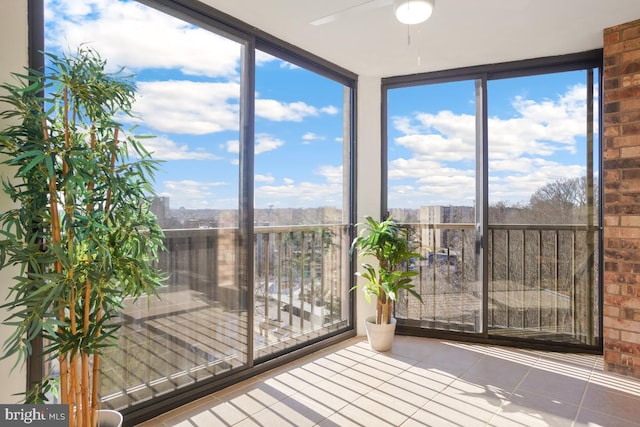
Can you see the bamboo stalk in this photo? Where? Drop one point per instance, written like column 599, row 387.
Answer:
column 56, row 238
column 85, row 357
column 75, row 378
column 89, row 388
column 84, row 385
column 95, row 385
column 74, row 403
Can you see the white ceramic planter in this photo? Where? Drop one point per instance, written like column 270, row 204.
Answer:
column 109, row 418
column 380, row 336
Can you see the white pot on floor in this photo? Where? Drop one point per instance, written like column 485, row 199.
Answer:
column 380, row 336
column 109, row 418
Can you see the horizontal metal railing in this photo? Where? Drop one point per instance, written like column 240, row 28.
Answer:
column 300, row 283
column 542, row 280
column 541, row 285
column 199, row 328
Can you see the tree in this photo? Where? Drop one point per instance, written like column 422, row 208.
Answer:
column 563, row 201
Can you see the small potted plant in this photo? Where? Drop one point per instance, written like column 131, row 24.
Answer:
column 82, row 232
column 387, row 242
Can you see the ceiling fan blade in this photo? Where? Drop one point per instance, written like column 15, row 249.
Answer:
column 351, row 10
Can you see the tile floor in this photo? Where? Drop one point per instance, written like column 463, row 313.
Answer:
column 423, row 382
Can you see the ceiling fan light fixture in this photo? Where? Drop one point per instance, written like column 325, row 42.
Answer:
column 412, row 12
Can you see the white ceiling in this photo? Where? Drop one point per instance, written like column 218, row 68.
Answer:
column 370, row 41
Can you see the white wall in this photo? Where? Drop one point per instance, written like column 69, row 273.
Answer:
column 14, row 54
column 368, row 169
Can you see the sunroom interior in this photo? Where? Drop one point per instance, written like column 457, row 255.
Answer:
column 503, row 135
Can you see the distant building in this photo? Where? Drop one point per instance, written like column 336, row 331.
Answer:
column 436, row 238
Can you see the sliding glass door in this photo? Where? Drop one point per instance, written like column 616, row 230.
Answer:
column 496, row 172
column 254, row 196
column 431, row 190
column 301, row 200
column 543, row 211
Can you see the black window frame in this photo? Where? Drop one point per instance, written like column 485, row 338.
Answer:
column 482, row 74
column 207, row 17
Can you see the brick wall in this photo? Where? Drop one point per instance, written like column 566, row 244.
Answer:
column 622, row 199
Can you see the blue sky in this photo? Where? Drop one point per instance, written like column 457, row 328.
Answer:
column 188, row 92
column 188, row 98
column 537, row 128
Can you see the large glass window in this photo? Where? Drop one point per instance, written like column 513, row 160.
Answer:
column 301, row 205
column 498, row 175
column 431, row 189
column 232, row 299
column 542, row 240
column 188, row 96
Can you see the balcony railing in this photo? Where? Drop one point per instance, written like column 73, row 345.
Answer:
column 198, row 328
column 541, row 285
column 300, row 282
column 542, row 281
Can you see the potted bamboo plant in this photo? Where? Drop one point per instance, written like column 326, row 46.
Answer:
column 388, row 244
column 83, row 233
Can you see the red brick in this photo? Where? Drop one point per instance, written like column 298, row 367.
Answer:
column 628, row 152
column 627, row 141
column 623, row 93
column 611, row 356
column 631, row 104
column 612, row 153
column 612, row 288
column 621, row 183
column 611, row 37
column 630, row 33
column 613, row 48
column 629, row 117
column 612, row 131
column 630, row 186
column 611, row 311
column 631, row 80
column 610, row 175
column 629, row 174
column 631, row 56
column 633, row 44
column 612, row 83
column 611, row 60
column 629, row 244
column 630, row 128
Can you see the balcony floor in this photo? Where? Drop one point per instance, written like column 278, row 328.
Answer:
column 423, row 382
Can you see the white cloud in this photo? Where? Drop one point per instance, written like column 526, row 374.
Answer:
column 264, row 143
column 192, row 194
column 332, row 174
column 411, row 168
column 186, row 107
column 292, row 193
column 439, row 148
column 524, row 151
column 164, row 148
column 278, row 111
column 303, row 194
column 404, row 125
column 233, row 146
column 309, row 137
column 263, row 178
column 331, row 110
column 127, row 34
